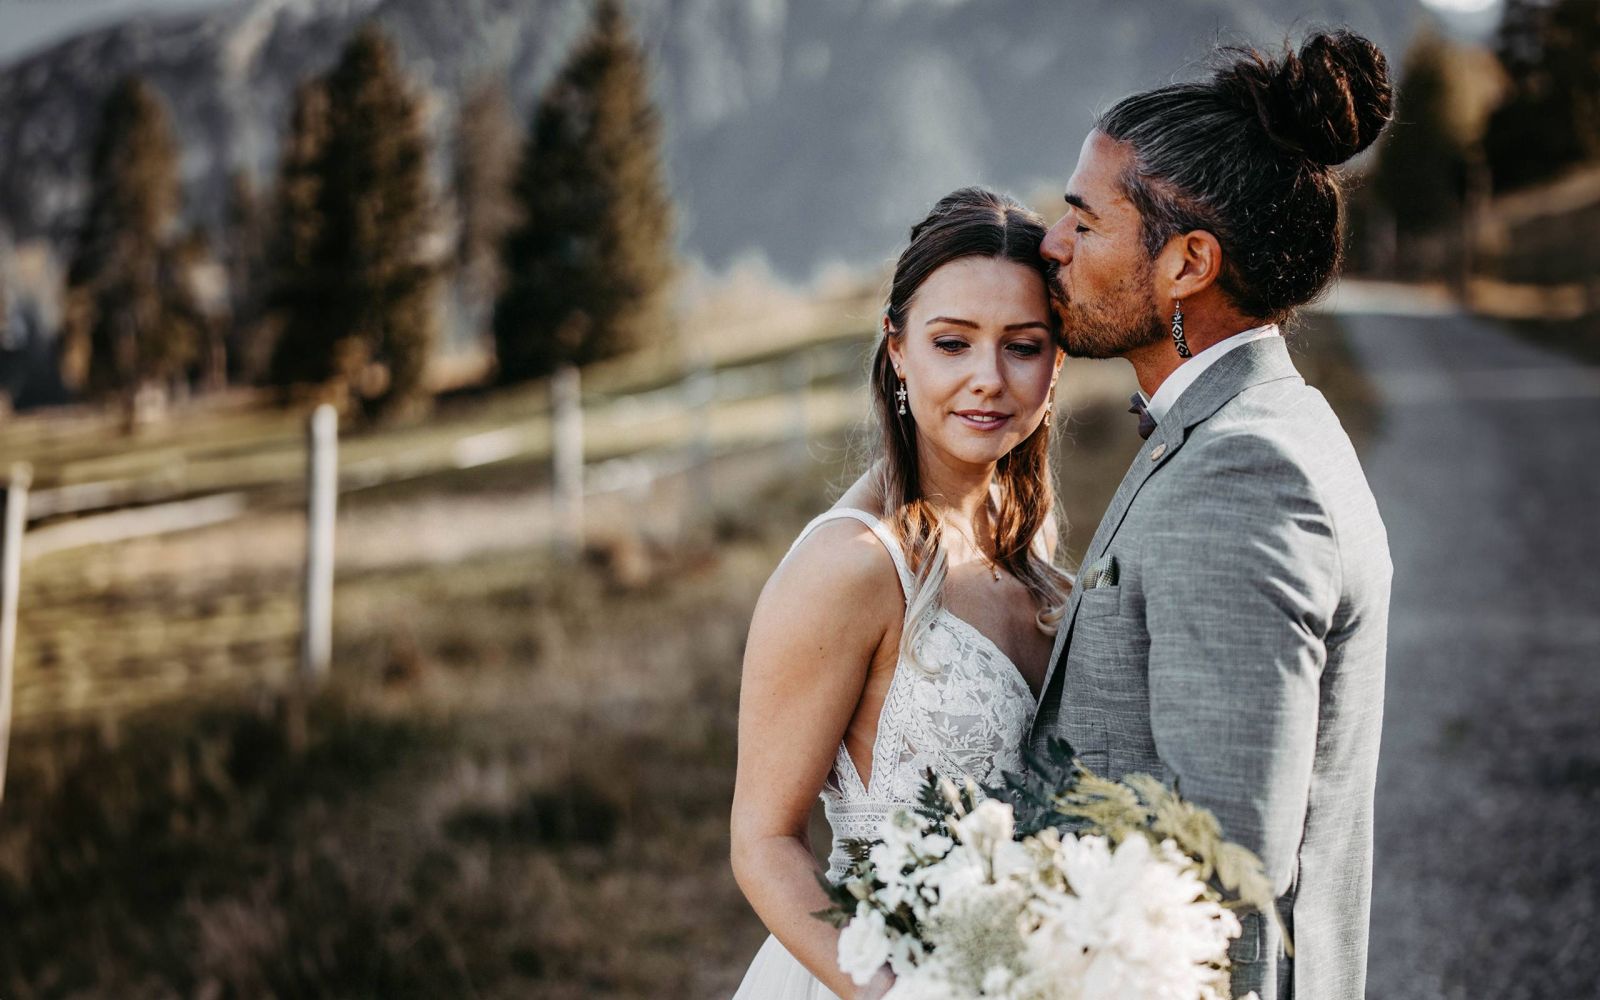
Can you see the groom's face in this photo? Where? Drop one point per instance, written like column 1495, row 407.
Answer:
column 1101, row 285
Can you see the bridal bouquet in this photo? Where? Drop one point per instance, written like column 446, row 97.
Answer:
column 1059, row 886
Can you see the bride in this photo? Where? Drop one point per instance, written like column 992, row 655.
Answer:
column 909, row 626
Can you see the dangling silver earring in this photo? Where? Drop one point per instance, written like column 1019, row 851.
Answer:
column 1177, row 329
column 900, row 394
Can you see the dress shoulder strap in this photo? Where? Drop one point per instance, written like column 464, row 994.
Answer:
column 885, row 536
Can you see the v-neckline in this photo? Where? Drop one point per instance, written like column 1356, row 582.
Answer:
column 1011, row 664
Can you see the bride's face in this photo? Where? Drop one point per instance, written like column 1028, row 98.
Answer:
column 978, row 358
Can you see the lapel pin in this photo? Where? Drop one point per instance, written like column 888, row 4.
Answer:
column 1157, row 452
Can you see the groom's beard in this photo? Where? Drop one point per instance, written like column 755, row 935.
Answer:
column 1109, row 328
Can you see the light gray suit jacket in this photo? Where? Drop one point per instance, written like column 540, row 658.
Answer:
column 1238, row 650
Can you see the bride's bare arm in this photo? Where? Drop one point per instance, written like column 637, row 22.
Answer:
column 819, row 628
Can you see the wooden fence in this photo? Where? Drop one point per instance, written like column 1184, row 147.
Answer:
column 679, row 428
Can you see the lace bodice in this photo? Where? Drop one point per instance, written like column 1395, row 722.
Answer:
column 967, row 713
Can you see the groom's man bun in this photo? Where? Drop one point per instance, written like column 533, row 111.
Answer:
column 1248, row 156
column 1327, row 103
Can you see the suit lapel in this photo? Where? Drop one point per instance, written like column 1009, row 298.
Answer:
column 1247, row 365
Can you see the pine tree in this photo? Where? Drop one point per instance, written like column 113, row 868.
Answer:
column 1421, row 173
column 1550, row 120
column 379, row 212
column 588, row 267
column 360, row 296
column 125, row 319
column 303, row 348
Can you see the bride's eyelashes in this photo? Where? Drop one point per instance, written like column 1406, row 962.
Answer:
column 1021, row 348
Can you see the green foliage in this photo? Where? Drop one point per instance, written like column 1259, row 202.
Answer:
column 586, row 269
column 128, row 321
column 357, row 288
column 1550, row 119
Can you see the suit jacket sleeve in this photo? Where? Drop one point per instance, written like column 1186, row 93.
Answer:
column 1242, row 587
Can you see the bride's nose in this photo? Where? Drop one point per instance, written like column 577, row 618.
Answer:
column 986, row 378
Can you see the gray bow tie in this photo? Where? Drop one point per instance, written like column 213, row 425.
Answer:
column 1147, row 423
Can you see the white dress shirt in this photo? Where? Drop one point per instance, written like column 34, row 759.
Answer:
column 1185, row 374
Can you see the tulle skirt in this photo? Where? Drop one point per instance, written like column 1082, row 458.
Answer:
column 777, row 975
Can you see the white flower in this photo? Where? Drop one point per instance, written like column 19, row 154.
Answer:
column 905, row 842
column 863, row 945
column 1133, row 921
column 905, row 954
column 989, row 823
column 997, row 981
column 922, row 985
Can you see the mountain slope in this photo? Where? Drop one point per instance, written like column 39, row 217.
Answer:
column 806, row 131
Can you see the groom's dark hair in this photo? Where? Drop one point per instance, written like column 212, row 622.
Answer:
column 1249, row 156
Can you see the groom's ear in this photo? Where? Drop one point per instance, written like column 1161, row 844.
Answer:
column 1191, row 262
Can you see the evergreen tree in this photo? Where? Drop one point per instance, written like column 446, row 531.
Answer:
column 125, row 319
column 303, row 348
column 362, row 308
column 587, row 268
column 1550, row 120
column 1421, row 173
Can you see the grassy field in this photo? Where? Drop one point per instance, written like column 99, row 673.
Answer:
column 516, row 783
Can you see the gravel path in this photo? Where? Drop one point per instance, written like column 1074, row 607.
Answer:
column 1487, row 865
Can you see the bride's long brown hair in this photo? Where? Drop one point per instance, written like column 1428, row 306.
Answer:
column 971, row 222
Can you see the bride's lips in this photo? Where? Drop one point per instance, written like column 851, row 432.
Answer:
column 983, row 420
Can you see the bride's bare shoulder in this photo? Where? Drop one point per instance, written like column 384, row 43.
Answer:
column 843, row 560
column 833, row 598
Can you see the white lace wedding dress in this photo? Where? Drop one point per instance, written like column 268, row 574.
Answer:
column 968, row 714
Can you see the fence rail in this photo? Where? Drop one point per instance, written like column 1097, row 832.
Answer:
column 647, row 428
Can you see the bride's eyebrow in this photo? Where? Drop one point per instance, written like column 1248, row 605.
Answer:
column 969, row 324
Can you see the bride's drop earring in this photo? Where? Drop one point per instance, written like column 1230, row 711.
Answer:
column 1177, row 329
column 900, row 394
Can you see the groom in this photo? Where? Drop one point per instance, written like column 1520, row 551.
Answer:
column 1228, row 627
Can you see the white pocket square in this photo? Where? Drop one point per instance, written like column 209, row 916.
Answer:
column 1101, row 573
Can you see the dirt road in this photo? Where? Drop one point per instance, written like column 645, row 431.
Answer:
column 1487, row 866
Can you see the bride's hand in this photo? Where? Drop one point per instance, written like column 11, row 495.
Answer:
column 878, row 986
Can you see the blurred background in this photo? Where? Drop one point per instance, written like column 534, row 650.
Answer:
column 435, row 694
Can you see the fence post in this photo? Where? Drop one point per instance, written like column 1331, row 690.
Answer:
column 322, row 477
column 566, row 453
column 16, row 516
